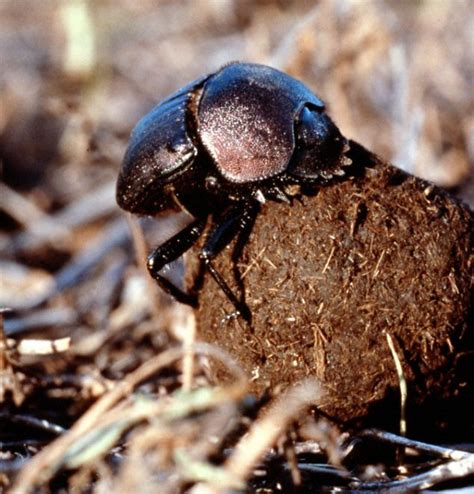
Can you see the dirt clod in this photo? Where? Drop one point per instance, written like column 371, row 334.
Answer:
column 328, row 276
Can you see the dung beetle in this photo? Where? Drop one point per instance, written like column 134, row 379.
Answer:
column 218, row 148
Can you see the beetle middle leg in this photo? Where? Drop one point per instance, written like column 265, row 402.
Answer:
column 237, row 221
column 171, row 250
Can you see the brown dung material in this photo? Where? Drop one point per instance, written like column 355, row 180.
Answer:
column 326, row 277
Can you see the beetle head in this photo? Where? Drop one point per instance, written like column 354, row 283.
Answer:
column 320, row 147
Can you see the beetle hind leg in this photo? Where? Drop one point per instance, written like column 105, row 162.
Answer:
column 238, row 221
column 168, row 252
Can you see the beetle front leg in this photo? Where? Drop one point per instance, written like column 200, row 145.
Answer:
column 171, row 250
column 238, row 220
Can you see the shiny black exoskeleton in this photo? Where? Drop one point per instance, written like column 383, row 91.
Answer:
column 218, row 148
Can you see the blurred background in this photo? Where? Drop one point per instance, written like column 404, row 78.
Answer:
column 76, row 75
